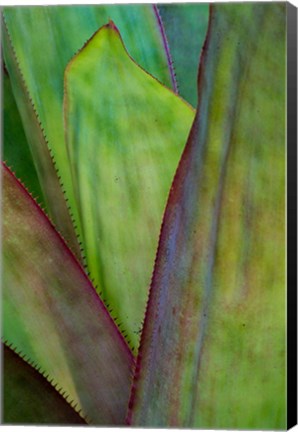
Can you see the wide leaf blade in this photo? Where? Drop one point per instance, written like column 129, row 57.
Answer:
column 212, row 351
column 52, row 314
column 28, row 398
column 125, row 133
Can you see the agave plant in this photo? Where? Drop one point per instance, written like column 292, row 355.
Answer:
column 128, row 215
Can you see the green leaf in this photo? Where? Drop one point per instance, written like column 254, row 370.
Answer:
column 46, row 38
column 28, row 398
column 16, row 151
column 46, row 170
column 212, row 351
column 52, row 314
column 125, row 134
column 185, row 29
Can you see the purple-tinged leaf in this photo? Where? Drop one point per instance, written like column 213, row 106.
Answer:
column 212, row 351
column 52, row 314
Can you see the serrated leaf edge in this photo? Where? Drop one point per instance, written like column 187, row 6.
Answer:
column 74, row 259
column 45, row 375
column 41, row 128
column 138, row 367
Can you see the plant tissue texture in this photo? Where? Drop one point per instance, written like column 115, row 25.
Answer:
column 144, row 215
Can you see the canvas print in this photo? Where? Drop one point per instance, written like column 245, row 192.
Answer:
column 143, row 208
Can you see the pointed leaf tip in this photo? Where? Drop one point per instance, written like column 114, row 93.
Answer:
column 113, row 26
column 128, row 166
column 29, row 29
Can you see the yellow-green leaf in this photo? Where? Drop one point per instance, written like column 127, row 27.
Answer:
column 125, row 133
column 44, row 39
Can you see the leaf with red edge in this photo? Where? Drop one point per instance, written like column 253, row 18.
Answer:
column 181, row 22
column 125, row 134
column 43, row 40
column 212, row 351
column 52, row 314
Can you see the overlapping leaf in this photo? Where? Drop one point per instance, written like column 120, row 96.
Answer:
column 125, row 133
column 213, row 348
column 28, row 398
column 45, row 39
column 44, row 165
column 53, row 315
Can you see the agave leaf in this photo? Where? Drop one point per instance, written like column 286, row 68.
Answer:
column 125, row 134
column 28, row 398
column 185, row 29
column 55, row 202
column 212, row 351
column 16, row 151
column 53, row 315
column 46, row 38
